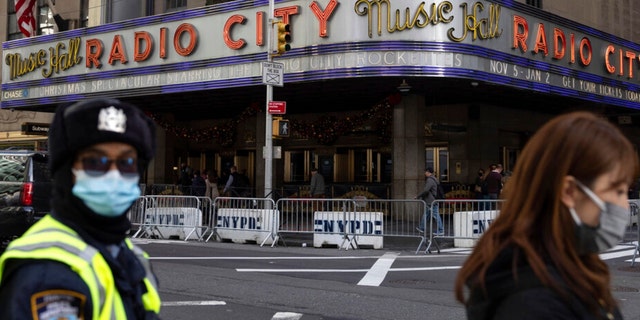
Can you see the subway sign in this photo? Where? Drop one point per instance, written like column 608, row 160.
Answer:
column 37, row 129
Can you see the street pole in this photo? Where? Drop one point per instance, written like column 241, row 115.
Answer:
column 268, row 134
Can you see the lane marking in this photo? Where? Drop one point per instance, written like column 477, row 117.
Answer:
column 286, row 316
column 262, row 258
column 346, row 270
column 378, row 271
column 613, row 253
column 427, row 268
column 192, row 303
column 617, row 254
column 305, row 258
column 300, row 270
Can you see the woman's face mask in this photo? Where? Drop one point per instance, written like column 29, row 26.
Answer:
column 611, row 229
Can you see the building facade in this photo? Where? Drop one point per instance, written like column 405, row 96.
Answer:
column 375, row 91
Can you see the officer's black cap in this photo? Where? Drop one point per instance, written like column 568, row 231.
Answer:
column 99, row 120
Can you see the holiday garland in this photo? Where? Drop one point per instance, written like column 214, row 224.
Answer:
column 325, row 130
column 223, row 133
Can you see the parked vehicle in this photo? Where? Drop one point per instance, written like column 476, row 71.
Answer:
column 25, row 192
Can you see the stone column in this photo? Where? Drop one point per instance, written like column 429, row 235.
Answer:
column 408, row 147
column 124, row 10
column 158, row 168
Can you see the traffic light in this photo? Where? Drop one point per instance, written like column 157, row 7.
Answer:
column 283, row 37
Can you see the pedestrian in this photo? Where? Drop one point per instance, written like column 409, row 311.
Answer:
column 429, row 196
column 212, row 186
column 185, row 178
column 316, row 187
column 566, row 202
column 477, row 187
column 494, row 182
column 77, row 262
column 198, row 184
column 230, row 188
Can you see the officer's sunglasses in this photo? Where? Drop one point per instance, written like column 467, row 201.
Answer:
column 98, row 165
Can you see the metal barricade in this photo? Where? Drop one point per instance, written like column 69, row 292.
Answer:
column 179, row 216
column 386, row 219
column 353, row 222
column 632, row 233
column 207, row 207
column 244, row 219
column 328, row 220
column 136, row 213
column 463, row 220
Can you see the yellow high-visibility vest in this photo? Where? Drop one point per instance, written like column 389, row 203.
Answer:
column 49, row 239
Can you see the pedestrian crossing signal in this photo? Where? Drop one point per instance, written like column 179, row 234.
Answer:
column 283, row 37
column 281, row 128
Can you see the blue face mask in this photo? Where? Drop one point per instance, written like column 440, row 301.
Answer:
column 109, row 195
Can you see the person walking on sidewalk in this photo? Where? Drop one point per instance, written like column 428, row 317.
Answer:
column 316, row 187
column 429, row 196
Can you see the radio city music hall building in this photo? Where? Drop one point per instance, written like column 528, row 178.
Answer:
column 375, row 91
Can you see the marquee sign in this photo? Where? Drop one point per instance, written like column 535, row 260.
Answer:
column 496, row 41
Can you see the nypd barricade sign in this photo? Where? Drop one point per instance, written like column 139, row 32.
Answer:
column 470, row 225
column 246, row 224
column 334, row 227
column 174, row 222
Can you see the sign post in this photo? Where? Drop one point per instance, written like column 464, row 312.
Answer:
column 268, row 138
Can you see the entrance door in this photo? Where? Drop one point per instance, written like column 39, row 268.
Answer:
column 296, row 165
column 438, row 159
column 509, row 157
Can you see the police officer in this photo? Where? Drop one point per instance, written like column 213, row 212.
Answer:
column 77, row 262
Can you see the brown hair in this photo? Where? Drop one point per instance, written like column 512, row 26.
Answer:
column 534, row 221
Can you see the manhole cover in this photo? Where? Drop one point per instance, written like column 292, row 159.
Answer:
column 624, row 289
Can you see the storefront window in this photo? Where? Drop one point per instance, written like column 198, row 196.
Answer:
column 174, row 5
column 535, row 3
column 344, row 166
column 44, row 20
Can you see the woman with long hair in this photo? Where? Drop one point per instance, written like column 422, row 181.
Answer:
column 565, row 203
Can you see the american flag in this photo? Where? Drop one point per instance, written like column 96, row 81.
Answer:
column 26, row 14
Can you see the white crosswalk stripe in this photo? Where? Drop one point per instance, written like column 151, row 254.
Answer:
column 619, row 251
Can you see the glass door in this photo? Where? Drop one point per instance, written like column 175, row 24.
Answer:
column 438, row 159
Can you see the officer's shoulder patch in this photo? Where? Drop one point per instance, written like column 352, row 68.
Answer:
column 58, row 304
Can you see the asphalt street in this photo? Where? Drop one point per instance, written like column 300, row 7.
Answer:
column 220, row 280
